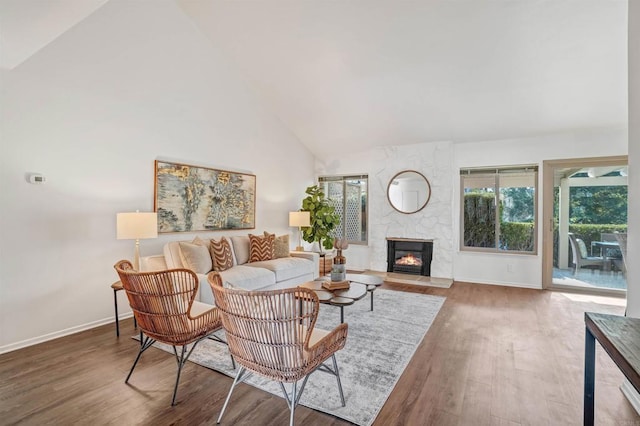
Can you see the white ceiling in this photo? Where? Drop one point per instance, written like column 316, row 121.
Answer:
column 362, row 73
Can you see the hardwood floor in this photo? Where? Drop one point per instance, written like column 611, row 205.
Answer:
column 493, row 356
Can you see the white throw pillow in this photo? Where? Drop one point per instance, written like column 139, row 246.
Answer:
column 241, row 248
column 196, row 257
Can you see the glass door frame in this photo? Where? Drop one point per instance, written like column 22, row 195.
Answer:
column 548, row 172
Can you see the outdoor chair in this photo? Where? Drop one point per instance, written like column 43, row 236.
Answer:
column 621, row 264
column 273, row 334
column 581, row 258
column 163, row 305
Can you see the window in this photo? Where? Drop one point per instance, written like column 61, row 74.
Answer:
column 498, row 209
column 348, row 194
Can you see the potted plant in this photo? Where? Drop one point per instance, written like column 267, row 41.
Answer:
column 324, row 218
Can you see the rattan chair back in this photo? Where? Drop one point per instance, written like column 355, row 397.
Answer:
column 161, row 302
column 268, row 332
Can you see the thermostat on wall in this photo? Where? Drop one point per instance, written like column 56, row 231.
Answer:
column 36, row 178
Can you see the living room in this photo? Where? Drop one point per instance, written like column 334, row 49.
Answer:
column 126, row 83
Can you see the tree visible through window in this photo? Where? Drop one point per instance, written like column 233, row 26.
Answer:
column 348, row 194
column 499, row 209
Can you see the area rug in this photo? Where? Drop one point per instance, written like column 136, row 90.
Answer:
column 379, row 346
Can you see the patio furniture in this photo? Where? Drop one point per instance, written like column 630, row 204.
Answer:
column 621, row 264
column 581, row 258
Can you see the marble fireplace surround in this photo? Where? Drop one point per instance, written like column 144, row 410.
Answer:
column 435, row 221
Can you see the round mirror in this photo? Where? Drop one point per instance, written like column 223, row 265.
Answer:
column 409, row 191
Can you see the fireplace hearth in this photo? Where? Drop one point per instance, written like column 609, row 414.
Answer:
column 409, row 256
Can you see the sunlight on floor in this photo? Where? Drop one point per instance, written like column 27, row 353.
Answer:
column 604, row 300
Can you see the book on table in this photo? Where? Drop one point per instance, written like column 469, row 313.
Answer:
column 335, row 285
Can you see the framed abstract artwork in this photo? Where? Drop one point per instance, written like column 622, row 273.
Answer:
column 192, row 198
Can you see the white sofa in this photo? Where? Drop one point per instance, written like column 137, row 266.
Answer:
column 278, row 273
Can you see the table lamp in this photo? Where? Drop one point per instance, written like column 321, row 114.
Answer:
column 136, row 226
column 300, row 219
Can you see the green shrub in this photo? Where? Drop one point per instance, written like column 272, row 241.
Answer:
column 516, row 236
column 479, row 220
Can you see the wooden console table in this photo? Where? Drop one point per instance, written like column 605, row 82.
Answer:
column 620, row 338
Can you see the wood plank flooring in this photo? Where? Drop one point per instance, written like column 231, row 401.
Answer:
column 493, row 356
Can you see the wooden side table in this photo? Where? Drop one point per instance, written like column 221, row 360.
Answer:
column 117, row 286
column 326, row 262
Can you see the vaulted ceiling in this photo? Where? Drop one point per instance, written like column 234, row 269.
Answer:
column 363, row 73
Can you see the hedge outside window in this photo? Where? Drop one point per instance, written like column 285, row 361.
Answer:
column 348, row 194
column 499, row 209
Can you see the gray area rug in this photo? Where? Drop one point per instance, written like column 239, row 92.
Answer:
column 379, row 346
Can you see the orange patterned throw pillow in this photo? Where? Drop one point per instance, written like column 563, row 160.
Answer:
column 261, row 248
column 221, row 254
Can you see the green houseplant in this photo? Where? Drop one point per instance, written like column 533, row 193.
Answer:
column 324, row 218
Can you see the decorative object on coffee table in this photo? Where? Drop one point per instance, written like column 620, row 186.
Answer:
column 299, row 219
column 335, row 285
column 339, row 269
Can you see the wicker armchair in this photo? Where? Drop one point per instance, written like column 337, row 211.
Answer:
column 164, row 306
column 271, row 333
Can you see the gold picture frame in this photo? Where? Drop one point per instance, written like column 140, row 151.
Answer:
column 191, row 198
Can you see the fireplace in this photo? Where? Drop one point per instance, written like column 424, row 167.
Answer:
column 409, row 256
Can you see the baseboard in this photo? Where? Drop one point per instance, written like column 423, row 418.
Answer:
column 632, row 395
column 66, row 332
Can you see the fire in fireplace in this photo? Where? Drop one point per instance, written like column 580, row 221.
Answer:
column 409, row 256
column 409, row 260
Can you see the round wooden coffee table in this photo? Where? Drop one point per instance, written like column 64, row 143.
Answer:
column 340, row 298
column 371, row 281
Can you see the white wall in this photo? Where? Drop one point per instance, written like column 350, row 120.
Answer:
column 633, row 248
column 92, row 111
column 512, row 269
column 434, row 161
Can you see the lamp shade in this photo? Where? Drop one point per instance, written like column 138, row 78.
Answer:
column 299, row 219
column 136, row 225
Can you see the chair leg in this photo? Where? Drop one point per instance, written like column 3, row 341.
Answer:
column 337, row 372
column 294, row 398
column 144, row 345
column 181, row 360
column 237, row 380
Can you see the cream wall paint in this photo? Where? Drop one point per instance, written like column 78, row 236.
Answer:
column 633, row 249
column 92, row 111
column 522, row 270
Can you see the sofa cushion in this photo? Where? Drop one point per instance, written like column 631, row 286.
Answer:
column 280, row 245
column 248, row 278
column 221, row 254
column 286, row 268
column 241, row 248
column 261, row 247
column 196, row 257
column 172, row 255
